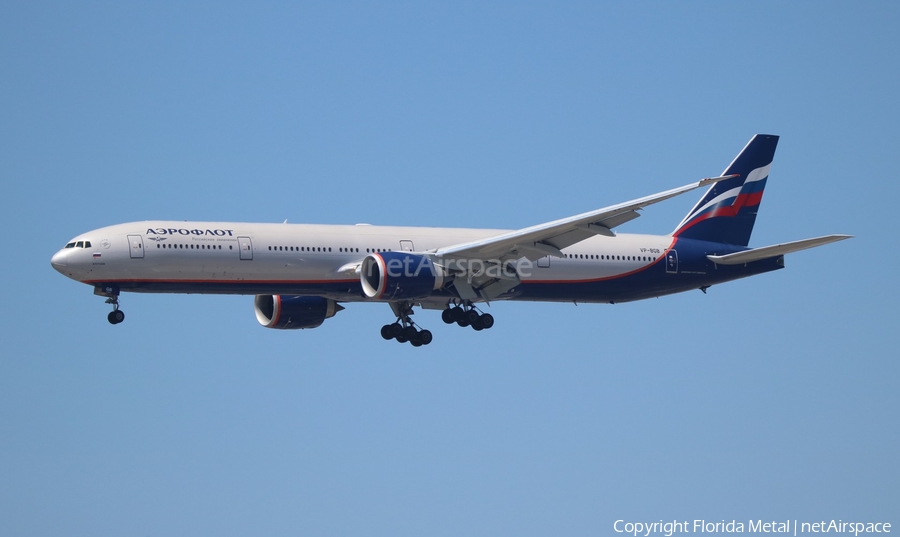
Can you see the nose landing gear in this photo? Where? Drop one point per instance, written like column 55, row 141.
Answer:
column 116, row 316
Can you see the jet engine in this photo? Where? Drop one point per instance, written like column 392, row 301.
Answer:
column 293, row 312
column 399, row 275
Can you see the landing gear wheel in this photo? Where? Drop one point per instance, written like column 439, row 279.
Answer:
column 115, row 316
column 447, row 316
column 487, row 320
column 425, row 337
column 386, row 332
column 472, row 316
column 396, row 330
column 410, row 333
column 416, row 340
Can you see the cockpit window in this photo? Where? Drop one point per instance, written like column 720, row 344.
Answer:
column 70, row 245
column 87, row 244
column 79, row 244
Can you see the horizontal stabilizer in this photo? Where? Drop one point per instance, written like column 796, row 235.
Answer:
column 772, row 251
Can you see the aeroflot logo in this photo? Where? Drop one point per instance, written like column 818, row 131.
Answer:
column 174, row 231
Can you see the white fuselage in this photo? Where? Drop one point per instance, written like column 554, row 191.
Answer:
column 253, row 258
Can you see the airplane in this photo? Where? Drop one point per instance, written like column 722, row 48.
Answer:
column 301, row 274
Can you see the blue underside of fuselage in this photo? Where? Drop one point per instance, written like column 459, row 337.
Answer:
column 693, row 271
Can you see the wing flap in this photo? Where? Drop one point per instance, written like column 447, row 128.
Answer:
column 767, row 252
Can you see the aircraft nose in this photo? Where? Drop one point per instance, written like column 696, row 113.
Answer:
column 59, row 260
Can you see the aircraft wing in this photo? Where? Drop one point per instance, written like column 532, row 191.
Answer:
column 549, row 238
column 755, row 254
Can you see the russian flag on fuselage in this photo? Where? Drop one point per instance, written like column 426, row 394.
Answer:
column 727, row 212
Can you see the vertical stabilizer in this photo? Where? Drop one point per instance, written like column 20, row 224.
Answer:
column 727, row 211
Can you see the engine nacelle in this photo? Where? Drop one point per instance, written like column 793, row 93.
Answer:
column 394, row 275
column 293, row 312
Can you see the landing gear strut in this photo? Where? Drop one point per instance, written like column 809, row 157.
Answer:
column 467, row 315
column 404, row 329
column 111, row 293
column 116, row 316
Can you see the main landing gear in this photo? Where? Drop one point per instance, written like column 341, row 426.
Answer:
column 467, row 315
column 405, row 329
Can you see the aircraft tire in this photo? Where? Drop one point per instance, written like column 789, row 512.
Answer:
column 426, row 337
column 410, row 333
column 115, row 316
column 447, row 316
column 386, row 332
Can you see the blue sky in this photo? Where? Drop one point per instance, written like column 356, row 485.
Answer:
column 773, row 397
